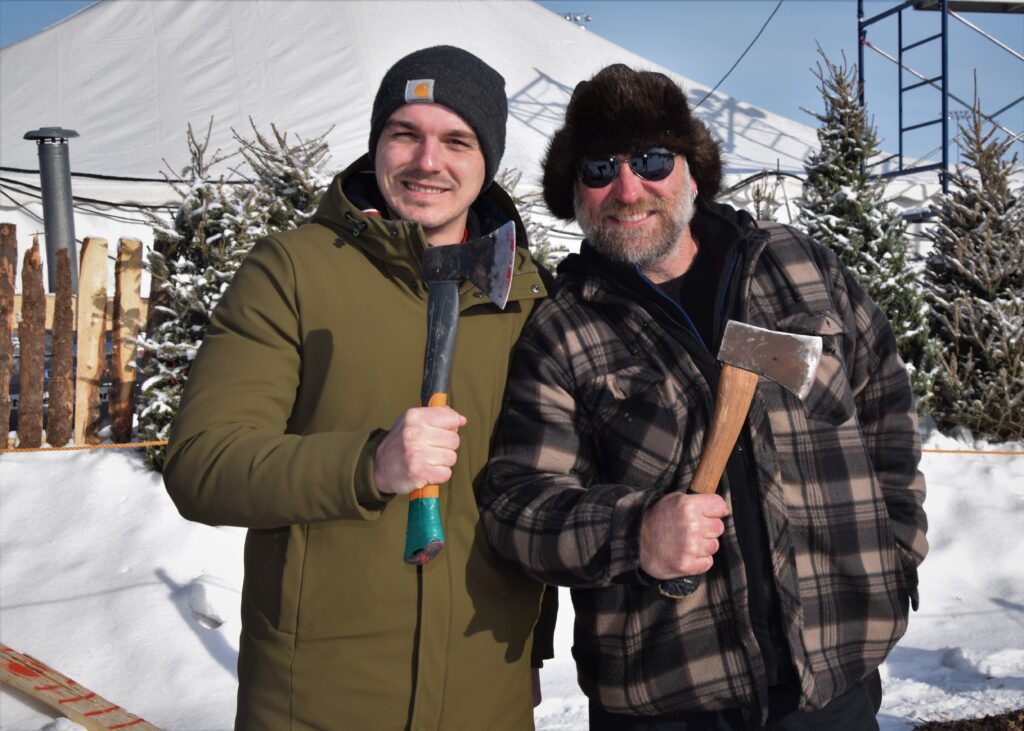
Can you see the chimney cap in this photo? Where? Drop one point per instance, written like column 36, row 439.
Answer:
column 50, row 133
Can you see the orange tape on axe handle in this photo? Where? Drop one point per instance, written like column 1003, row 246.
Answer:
column 437, row 399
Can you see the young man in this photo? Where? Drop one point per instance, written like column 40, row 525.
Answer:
column 295, row 424
column 807, row 555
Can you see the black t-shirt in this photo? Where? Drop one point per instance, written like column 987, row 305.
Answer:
column 695, row 291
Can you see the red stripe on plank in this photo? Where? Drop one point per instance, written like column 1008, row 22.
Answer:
column 47, row 687
column 79, row 698
column 102, row 711
column 18, row 669
column 126, row 725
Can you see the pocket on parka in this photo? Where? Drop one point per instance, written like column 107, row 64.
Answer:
column 830, row 399
column 633, row 425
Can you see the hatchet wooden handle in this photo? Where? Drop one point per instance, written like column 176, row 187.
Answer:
column 735, row 392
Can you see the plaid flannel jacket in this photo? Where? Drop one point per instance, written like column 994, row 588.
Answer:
column 605, row 412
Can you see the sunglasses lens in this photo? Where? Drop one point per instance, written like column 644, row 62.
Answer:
column 654, row 165
column 597, row 172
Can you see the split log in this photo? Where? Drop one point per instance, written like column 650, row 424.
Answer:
column 62, row 384
column 32, row 340
column 92, row 301
column 8, row 267
column 127, row 320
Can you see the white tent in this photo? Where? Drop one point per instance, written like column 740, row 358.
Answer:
column 130, row 75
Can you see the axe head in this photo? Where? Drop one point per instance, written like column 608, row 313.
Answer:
column 486, row 262
column 788, row 359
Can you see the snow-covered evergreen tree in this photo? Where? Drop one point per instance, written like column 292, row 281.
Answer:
column 543, row 249
column 975, row 278
column 290, row 177
column 846, row 209
column 216, row 224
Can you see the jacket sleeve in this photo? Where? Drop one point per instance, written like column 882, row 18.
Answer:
column 538, row 506
column 231, row 460
column 888, row 421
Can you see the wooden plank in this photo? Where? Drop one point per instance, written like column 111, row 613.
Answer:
column 92, row 301
column 50, row 306
column 32, row 341
column 127, row 321
column 8, row 267
column 62, row 383
column 57, row 691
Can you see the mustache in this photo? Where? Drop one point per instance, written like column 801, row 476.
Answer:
column 645, row 205
column 425, row 178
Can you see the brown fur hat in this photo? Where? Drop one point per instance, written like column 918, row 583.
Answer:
column 622, row 111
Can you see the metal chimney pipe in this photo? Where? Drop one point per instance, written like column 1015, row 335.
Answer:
column 58, row 216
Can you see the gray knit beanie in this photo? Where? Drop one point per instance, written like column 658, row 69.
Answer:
column 458, row 80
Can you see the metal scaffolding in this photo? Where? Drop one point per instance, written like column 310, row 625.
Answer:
column 947, row 9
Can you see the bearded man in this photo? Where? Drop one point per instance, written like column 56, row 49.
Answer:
column 807, row 554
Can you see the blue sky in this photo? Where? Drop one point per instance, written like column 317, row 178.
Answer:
column 701, row 39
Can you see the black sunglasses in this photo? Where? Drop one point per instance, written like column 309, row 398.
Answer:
column 598, row 171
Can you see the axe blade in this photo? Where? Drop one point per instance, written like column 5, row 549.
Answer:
column 487, row 262
column 789, row 359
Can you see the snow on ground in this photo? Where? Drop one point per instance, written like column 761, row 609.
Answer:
column 102, row 579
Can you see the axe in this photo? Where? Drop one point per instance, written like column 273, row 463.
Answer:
column 747, row 352
column 486, row 262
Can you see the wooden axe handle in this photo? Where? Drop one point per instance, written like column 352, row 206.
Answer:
column 735, row 392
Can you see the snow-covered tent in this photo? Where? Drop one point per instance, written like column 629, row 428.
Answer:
column 130, row 75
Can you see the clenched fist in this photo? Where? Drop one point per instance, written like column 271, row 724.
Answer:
column 419, row 450
column 679, row 534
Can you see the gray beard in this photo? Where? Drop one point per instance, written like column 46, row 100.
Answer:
column 635, row 246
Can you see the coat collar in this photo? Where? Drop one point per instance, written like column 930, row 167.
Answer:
column 397, row 246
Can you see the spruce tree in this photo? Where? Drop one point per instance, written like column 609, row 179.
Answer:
column 845, row 209
column 762, row 198
column 290, row 176
column 215, row 226
column 975, row 278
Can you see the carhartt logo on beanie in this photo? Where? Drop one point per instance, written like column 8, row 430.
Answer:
column 456, row 79
column 419, row 90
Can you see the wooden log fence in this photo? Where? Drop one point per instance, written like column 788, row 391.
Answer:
column 72, row 410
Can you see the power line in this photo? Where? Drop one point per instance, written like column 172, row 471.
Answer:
column 35, row 192
column 120, row 178
column 741, row 55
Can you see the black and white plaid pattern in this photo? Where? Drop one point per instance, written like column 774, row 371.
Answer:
column 605, row 412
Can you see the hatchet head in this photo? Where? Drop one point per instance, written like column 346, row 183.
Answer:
column 486, row 262
column 788, row 359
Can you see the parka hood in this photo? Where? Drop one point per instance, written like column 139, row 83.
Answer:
column 398, row 245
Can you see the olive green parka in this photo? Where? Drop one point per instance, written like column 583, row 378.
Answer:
column 315, row 349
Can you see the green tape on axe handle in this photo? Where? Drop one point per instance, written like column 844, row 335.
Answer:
column 424, row 536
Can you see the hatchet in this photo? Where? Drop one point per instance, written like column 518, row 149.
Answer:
column 486, row 262
column 747, row 353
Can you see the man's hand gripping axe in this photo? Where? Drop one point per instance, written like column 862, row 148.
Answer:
column 486, row 262
column 746, row 353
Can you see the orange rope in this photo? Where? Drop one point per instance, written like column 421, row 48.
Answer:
column 967, row 451
column 132, row 445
